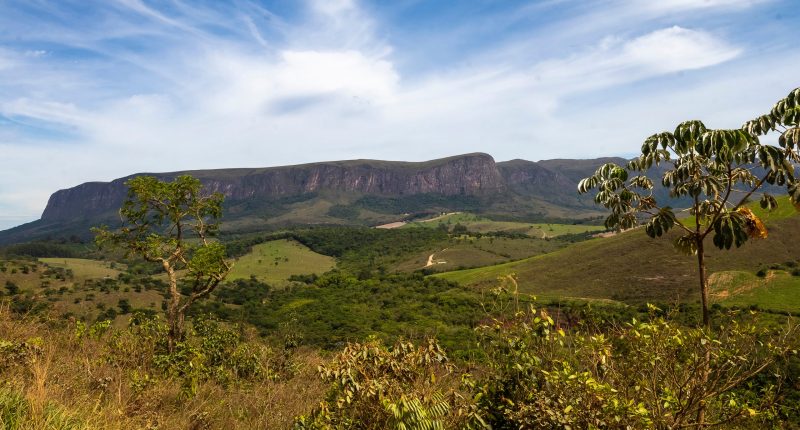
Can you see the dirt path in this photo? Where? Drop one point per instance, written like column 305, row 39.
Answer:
column 397, row 224
column 439, row 217
column 431, row 262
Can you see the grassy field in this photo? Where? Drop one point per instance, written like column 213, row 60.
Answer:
column 463, row 252
column 275, row 261
column 632, row 267
column 480, row 224
column 777, row 291
column 83, row 288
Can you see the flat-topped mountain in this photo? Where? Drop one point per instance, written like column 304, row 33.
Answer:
column 470, row 174
column 354, row 192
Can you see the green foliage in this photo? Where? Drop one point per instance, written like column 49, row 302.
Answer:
column 211, row 351
column 644, row 374
column 374, row 387
column 19, row 353
column 11, row 288
column 712, row 168
column 339, row 307
column 276, row 261
column 360, row 248
column 708, row 166
column 344, row 212
column 171, row 223
column 41, row 249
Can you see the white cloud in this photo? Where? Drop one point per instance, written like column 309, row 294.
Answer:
column 674, row 49
column 678, row 5
column 48, row 111
column 614, row 60
column 330, row 88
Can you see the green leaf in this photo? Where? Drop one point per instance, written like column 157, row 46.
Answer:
column 686, row 244
column 768, row 202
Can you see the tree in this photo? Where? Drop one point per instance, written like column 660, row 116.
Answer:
column 172, row 223
column 716, row 170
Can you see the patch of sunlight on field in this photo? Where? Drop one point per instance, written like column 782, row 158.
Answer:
column 86, row 269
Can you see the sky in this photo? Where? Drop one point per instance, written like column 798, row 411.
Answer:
column 92, row 91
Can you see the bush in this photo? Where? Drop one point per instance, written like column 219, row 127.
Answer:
column 643, row 374
column 374, row 387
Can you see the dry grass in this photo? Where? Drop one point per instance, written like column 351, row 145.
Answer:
column 70, row 383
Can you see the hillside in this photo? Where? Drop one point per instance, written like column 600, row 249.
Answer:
column 632, row 267
column 363, row 192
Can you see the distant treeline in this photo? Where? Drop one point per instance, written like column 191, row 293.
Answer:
column 43, row 250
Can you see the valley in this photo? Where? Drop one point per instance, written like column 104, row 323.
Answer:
column 352, row 270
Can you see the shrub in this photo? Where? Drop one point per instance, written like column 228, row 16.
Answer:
column 644, row 374
column 375, row 387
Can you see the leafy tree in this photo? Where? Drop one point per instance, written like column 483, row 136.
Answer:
column 171, row 223
column 717, row 170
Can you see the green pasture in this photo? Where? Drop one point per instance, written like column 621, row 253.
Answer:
column 275, row 261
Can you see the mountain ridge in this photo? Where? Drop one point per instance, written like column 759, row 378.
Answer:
column 372, row 191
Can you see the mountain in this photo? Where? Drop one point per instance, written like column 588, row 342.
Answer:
column 354, row 192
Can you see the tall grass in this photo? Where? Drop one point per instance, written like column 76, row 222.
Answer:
column 56, row 380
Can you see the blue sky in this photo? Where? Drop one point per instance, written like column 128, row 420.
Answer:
column 98, row 90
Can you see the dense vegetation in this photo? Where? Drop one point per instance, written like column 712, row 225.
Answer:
column 335, row 308
column 537, row 369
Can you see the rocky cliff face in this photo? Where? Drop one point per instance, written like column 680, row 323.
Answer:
column 529, row 177
column 471, row 174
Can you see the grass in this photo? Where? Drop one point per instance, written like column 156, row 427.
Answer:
column 73, row 384
column 275, row 261
column 480, row 224
column 17, row 413
column 777, row 291
column 91, row 288
column 784, row 210
column 631, row 267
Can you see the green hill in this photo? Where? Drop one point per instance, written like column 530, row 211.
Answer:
column 632, row 267
column 275, row 261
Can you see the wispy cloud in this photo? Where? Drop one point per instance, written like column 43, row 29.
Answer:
column 127, row 86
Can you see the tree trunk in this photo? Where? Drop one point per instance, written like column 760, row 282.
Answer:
column 701, row 265
column 174, row 315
